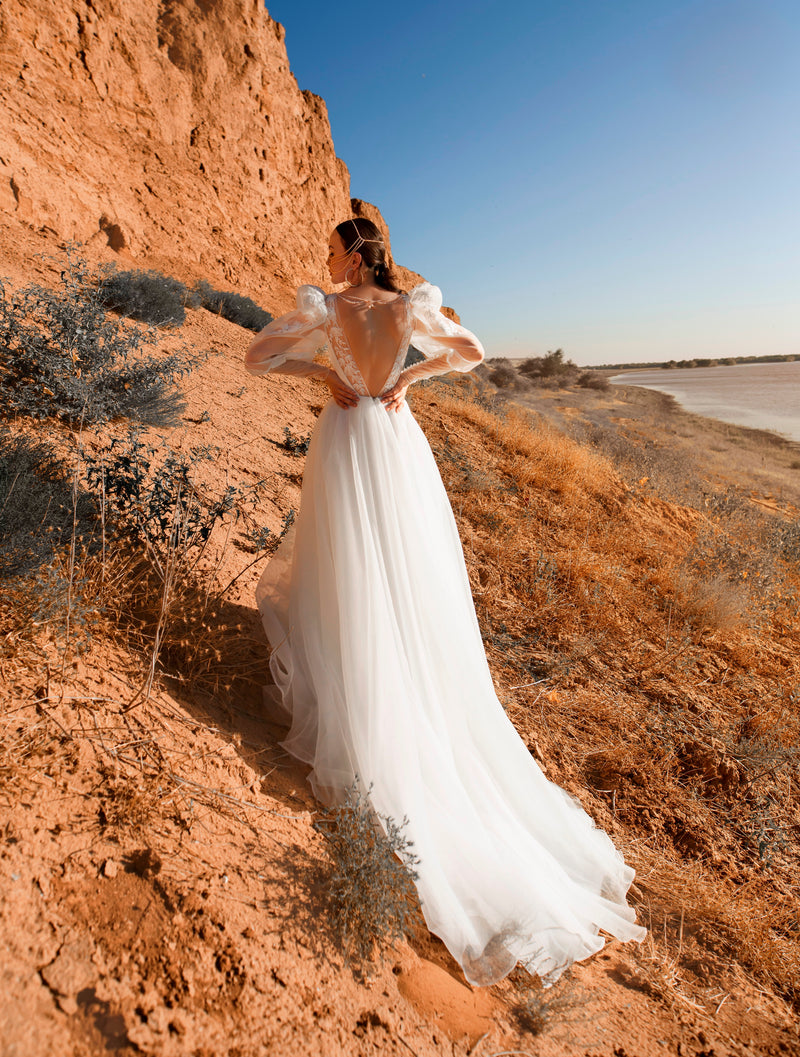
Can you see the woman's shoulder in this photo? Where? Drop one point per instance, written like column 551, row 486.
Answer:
column 310, row 298
column 426, row 296
column 309, row 290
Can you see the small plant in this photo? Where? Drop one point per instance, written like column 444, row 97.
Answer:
column 147, row 296
column 155, row 496
column 540, row 1008
column 58, row 599
column 234, row 307
column 726, row 505
column 294, row 444
column 765, row 744
column 62, row 356
column 371, row 886
column 264, row 539
column 260, row 539
column 131, row 803
column 784, row 540
column 763, row 831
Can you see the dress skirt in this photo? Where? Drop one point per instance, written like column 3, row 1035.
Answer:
column 380, row 670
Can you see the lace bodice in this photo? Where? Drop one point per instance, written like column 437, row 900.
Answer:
column 367, row 340
column 364, row 336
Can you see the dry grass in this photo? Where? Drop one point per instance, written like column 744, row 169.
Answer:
column 710, row 603
column 542, row 454
column 643, row 637
column 616, row 644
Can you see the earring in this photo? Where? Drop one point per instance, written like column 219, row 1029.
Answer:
column 358, row 279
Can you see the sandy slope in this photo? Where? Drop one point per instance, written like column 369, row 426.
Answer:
column 162, row 889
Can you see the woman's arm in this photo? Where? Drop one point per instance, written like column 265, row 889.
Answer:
column 288, row 345
column 447, row 346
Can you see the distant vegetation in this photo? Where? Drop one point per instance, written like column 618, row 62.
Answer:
column 724, row 361
column 552, row 370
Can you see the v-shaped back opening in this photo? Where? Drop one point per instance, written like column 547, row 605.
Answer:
column 375, row 334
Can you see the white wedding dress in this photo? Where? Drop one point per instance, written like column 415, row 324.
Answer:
column 379, row 666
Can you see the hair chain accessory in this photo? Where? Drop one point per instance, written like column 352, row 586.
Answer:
column 360, row 240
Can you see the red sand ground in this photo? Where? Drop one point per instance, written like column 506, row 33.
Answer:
column 162, row 890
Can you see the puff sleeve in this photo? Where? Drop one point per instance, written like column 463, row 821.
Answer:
column 288, row 344
column 447, row 346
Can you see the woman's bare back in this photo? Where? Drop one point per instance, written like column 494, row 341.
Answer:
column 375, row 331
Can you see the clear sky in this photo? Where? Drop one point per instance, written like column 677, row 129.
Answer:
column 617, row 178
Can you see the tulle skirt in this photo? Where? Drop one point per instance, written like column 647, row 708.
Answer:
column 380, row 670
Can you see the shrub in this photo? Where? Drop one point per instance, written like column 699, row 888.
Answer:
column 371, row 893
column 539, row 1009
column 38, row 507
column 233, row 307
column 48, row 536
column 60, row 598
column 61, row 356
column 147, row 296
column 550, row 369
column 505, row 376
column 593, row 380
column 154, row 497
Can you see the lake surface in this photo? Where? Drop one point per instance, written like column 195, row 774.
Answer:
column 759, row 395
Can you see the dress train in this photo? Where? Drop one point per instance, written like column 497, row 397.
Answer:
column 380, row 669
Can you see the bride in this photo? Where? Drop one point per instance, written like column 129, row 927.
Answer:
column 377, row 655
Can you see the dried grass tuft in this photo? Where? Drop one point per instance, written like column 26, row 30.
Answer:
column 371, row 885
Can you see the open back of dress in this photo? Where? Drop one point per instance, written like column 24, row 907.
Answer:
column 373, row 338
column 380, row 671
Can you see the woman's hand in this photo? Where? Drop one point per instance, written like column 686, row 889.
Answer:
column 393, row 398
column 343, row 395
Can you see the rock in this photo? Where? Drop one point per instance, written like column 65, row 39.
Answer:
column 110, row 869
column 710, row 762
column 71, row 971
column 174, row 133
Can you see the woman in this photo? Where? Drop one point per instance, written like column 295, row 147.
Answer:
column 376, row 652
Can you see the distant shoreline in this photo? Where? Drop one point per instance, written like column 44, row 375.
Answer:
column 684, row 365
column 764, row 464
column 763, row 395
column 610, row 369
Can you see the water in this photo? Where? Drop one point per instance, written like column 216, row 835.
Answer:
column 759, row 395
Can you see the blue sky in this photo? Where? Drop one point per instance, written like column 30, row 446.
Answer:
column 617, row 178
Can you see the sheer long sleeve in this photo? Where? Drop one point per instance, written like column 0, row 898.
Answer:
column 446, row 346
column 288, row 344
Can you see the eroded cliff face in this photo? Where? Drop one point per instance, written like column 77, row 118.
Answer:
column 171, row 131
